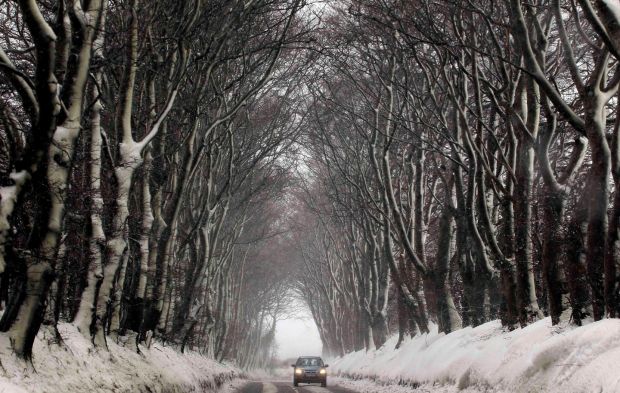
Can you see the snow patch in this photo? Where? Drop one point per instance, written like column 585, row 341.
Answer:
column 614, row 6
column 8, row 199
column 537, row 358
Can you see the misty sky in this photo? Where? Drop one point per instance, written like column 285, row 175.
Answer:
column 296, row 337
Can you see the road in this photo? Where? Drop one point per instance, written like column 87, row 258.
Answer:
column 287, row 387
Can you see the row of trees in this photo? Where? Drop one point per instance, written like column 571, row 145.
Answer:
column 464, row 165
column 145, row 146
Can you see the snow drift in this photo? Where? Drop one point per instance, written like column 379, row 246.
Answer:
column 537, row 358
column 75, row 366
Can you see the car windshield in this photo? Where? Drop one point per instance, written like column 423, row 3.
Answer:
column 309, row 362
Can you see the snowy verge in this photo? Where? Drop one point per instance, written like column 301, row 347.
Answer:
column 74, row 366
column 376, row 386
column 537, row 358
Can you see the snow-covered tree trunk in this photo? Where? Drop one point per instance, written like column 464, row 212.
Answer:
column 60, row 155
column 84, row 317
column 146, row 271
column 130, row 157
column 527, row 303
column 42, row 104
column 63, row 144
column 148, row 218
column 85, row 314
column 117, row 244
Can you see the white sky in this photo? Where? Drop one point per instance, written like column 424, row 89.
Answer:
column 297, row 337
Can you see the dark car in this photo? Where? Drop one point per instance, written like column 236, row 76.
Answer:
column 310, row 369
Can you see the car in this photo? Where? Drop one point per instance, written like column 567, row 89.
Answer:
column 309, row 369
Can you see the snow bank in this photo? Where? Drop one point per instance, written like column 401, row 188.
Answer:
column 537, row 358
column 74, row 366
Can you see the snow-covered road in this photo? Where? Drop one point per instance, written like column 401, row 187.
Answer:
column 287, row 387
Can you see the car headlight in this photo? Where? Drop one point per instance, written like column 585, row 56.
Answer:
column 323, row 371
column 298, row 371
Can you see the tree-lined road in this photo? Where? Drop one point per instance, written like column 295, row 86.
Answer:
column 287, row 387
column 194, row 172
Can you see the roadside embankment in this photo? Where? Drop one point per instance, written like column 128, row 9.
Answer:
column 537, row 358
column 74, row 366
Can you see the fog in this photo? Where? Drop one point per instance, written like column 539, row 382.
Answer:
column 296, row 337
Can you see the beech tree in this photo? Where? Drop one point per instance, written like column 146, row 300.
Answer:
column 132, row 130
column 465, row 143
column 180, row 170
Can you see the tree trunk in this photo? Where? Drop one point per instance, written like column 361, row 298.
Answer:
column 612, row 288
column 527, row 303
column 553, row 211
column 84, row 317
column 597, row 195
column 448, row 317
column 576, row 269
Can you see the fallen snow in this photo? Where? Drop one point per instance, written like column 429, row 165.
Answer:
column 232, row 386
column 537, row 358
column 75, row 367
column 370, row 386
